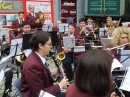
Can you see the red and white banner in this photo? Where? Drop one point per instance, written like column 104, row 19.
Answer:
column 9, row 10
column 45, row 7
column 68, row 9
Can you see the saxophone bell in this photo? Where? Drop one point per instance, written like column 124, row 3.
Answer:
column 21, row 57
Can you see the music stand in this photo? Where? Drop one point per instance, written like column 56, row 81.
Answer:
column 69, row 42
column 47, row 27
column 26, row 38
column 103, row 31
column 16, row 45
column 15, row 49
column 88, row 42
column 125, row 59
column 125, row 82
column 63, row 28
column 106, row 41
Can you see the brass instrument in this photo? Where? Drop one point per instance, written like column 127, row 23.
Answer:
column 41, row 17
column 96, row 27
column 60, row 57
column 21, row 57
column 86, row 32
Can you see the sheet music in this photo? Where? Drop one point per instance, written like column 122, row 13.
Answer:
column 79, row 49
column 102, row 31
column 5, row 59
column 5, row 32
column 115, row 64
column 1, row 74
column 126, row 82
column 4, row 62
column 47, row 27
column 27, row 52
column 63, row 27
column 13, row 46
column 124, row 55
column 106, row 41
column 45, row 94
column 125, row 24
column 69, row 42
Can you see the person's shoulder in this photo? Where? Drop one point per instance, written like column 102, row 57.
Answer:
column 14, row 21
column 71, row 88
column 63, row 35
column 19, row 36
column 28, row 14
column 33, row 62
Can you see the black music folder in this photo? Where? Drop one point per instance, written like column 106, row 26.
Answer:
column 54, row 37
column 26, row 38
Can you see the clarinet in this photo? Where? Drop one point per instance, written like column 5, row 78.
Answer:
column 118, row 92
column 55, row 61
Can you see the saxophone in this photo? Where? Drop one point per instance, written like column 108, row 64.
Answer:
column 41, row 17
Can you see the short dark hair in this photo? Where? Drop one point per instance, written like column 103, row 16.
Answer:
column 38, row 37
column 82, row 20
column 21, row 12
column 72, row 24
column 93, row 74
column 25, row 23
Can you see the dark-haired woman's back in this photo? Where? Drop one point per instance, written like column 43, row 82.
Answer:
column 72, row 91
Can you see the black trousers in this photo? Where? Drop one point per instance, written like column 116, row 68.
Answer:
column 60, row 94
column 8, row 79
column 67, row 66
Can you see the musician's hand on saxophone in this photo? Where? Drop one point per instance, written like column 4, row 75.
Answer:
column 64, row 82
column 67, row 50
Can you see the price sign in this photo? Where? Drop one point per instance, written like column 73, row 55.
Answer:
column 48, row 18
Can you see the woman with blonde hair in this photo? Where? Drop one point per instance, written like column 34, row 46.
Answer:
column 121, row 35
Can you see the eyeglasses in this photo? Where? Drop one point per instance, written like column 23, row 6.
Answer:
column 50, row 44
